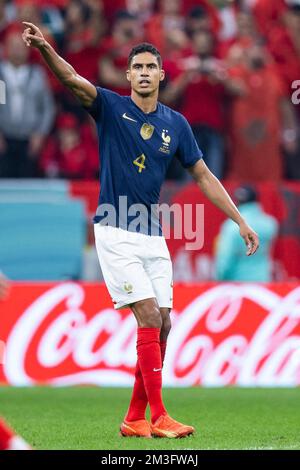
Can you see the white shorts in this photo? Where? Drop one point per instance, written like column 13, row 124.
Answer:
column 134, row 266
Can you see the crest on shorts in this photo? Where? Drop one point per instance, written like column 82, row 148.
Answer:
column 147, row 131
column 128, row 287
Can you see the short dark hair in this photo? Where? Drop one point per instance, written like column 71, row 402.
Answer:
column 144, row 47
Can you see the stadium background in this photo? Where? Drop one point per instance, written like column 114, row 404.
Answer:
column 231, row 69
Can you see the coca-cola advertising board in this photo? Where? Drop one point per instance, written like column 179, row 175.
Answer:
column 222, row 334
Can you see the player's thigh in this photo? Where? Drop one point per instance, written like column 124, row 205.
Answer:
column 123, row 272
column 160, row 273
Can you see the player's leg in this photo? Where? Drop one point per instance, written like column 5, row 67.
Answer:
column 9, row 440
column 147, row 387
column 127, row 282
column 139, row 399
column 165, row 426
column 149, row 320
column 159, row 270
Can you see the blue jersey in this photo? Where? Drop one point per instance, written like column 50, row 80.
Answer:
column 136, row 149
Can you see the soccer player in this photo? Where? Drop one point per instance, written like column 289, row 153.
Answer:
column 9, row 440
column 138, row 137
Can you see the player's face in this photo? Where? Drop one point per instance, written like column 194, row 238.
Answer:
column 145, row 74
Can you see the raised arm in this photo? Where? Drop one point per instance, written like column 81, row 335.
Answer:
column 216, row 193
column 84, row 91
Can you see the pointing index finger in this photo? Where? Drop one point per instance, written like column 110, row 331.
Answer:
column 31, row 25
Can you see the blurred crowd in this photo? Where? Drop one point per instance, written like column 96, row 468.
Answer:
column 231, row 68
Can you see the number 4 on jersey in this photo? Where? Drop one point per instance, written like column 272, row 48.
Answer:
column 139, row 162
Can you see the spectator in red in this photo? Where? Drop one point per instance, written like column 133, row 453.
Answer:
column 143, row 9
column 260, row 119
column 28, row 11
column 80, row 29
column 268, row 13
column 284, row 44
column 126, row 33
column 197, row 19
column 168, row 18
column 211, row 11
column 199, row 87
column 111, row 9
column 246, row 35
column 84, row 27
column 71, row 152
column 27, row 117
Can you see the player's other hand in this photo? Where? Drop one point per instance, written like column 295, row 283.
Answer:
column 250, row 238
column 32, row 36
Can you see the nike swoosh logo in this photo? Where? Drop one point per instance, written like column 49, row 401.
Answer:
column 156, row 370
column 129, row 118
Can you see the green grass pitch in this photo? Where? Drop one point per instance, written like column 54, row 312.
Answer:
column 89, row 417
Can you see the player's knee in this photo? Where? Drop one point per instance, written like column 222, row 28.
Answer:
column 151, row 318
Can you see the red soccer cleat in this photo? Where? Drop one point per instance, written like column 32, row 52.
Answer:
column 165, row 426
column 139, row 428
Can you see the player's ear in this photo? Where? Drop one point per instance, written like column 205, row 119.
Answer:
column 128, row 75
column 162, row 75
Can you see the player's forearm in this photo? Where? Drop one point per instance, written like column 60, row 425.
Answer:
column 61, row 69
column 81, row 88
column 218, row 195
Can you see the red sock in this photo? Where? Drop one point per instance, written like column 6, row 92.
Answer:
column 149, row 358
column 5, row 435
column 139, row 400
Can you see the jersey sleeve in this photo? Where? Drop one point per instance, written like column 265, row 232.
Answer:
column 188, row 152
column 104, row 100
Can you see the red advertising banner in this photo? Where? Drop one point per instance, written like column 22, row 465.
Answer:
column 222, row 334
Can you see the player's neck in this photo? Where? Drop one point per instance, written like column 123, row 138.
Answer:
column 147, row 104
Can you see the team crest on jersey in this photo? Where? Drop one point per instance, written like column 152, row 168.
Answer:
column 147, row 131
column 166, row 142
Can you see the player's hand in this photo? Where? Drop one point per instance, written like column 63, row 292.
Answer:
column 32, row 36
column 250, row 237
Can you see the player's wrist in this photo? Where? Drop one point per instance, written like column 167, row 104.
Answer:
column 241, row 222
column 44, row 45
